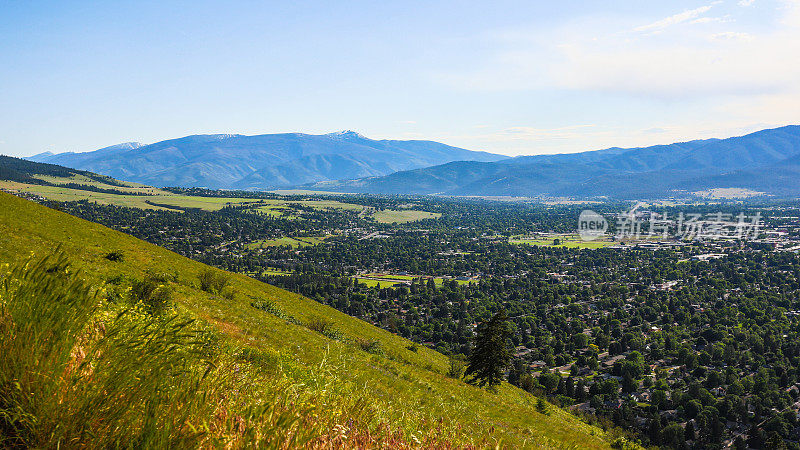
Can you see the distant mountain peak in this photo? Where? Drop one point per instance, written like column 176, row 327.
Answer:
column 46, row 157
column 42, row 155
column 123, row 146
column 347, row 134
column 264, row 161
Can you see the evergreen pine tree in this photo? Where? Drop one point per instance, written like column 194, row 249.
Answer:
column 491, row 356
column 688, row 432
column 580, row 391
column 541, row 406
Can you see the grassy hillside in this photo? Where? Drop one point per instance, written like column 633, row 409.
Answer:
column 291, row 372
column 63, row 184
column 146, row 197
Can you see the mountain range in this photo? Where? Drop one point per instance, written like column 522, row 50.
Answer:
column 766, row 161
column 232, row 161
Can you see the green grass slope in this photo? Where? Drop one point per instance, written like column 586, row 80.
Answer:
column 347, row 384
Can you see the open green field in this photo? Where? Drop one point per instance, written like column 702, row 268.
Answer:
column 290, row 241
column 373, row 283
column 277, row 242
column 311, row 240
column 390, row 276
column 330, row 204
column 307, row 192
column 568, row 241
column 403, row 215
column 388, row 282
column 368, row 281
column 277, row 210
column 385, row 279
column 269, row 271
column 283, row 207
column 276, row 272
column 384, row 394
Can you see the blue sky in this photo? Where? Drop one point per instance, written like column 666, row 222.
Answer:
column 508, row 77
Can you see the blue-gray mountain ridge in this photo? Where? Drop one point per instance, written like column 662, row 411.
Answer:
column 232, row 161
column 765, row 161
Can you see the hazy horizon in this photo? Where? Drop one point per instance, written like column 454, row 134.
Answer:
column 379, row 138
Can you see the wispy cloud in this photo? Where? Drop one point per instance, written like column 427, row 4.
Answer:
column 732, row 35
column 675, row 19
column 703, row 20
column 746, row 3
column 704, row 61
column 696, row 64
column 738, row 75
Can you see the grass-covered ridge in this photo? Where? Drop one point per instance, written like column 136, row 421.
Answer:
column 63, row 184
column 257, row 363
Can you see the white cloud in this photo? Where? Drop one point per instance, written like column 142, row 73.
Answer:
column 687, row 63
column 703, row 20
column 732, row 35
column 675, row 19
column 702, row 61
column 740, row 76
column 745, row 3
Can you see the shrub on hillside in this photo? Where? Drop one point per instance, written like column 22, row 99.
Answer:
column 270, row 307
column 267, row 306
column 115, row 256
column 162, row 277
column 370, row 346
column 154, row 297
column 216, row 282
column 324, row 328
column 457, row 367
column 541, row 406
